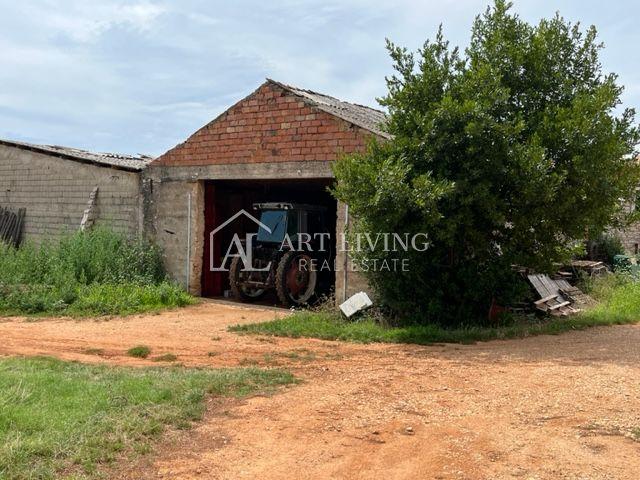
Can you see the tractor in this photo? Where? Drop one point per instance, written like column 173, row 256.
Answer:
column 288, row 251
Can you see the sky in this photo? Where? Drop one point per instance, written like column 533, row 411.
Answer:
column 141, row 76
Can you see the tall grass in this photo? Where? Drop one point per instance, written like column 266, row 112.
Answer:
column 93, row 272
column 95, row 256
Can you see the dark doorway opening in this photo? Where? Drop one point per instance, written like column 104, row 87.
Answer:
column 225, row 198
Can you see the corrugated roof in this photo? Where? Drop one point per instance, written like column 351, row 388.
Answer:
column 132, row 163
column 364, row 117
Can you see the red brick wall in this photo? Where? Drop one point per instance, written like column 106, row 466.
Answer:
column 270, row 125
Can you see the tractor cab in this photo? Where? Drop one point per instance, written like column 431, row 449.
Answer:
column 283, row 264
column 292, row 219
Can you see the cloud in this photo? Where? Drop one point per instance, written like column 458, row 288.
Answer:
column 140, row 76
column 85, row 22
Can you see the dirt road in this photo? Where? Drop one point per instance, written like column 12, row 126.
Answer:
column 540, row 408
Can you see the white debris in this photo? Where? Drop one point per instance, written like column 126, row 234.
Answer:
column 356, row 303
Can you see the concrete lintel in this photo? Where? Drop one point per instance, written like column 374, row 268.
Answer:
column 243, row 171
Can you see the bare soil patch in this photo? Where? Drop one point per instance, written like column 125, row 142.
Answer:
column 545, row 407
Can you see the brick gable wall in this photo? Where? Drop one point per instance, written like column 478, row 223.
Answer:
column 270, row 125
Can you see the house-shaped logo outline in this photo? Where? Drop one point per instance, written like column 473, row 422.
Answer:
column 223, row 225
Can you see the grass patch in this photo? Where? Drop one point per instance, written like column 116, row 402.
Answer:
column 301, row 355
column 620, row 304
column 97, row 272
column 69, row 420
column 248, row 362
column 167, row 357
column 140, row 351
column 93, row 351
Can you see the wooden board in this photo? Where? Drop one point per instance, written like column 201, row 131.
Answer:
column 11, row 225
column 558, row 297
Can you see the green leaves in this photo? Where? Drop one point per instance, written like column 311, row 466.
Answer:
column 505, row 155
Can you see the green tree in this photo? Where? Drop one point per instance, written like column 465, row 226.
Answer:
column 506, row 153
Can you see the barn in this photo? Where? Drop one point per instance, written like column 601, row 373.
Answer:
column 275, row 145
column 57, row 185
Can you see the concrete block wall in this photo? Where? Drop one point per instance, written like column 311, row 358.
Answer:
column 167, row 224
column 348, row 280
column 55, row 192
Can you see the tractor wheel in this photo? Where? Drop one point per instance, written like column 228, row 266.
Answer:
column 295, row 281
column 237, row 279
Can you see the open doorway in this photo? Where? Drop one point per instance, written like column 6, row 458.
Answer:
column 224, row 199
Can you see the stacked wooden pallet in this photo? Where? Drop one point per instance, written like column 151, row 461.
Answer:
column 558, row 297
column 11, row 226
column 590, row 267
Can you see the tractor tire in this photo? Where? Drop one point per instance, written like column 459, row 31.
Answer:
column 295, row 286
column 238, row 290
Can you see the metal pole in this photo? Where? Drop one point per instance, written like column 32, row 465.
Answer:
column 188, row 240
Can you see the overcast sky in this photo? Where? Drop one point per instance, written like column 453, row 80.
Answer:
column 140, row 76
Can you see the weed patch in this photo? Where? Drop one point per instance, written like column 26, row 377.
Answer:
column 167, row 357
column 98, row 272
column 141, row 351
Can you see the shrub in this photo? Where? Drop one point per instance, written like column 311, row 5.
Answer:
column 606, row 247
column 128, row 298
column 602, row 288
column 504, row 154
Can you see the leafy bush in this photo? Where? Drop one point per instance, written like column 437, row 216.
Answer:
column 504, row 154
column 606, row 247
column 97, row 272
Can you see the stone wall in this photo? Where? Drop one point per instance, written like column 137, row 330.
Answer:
column 630, row 238
column 55, row 192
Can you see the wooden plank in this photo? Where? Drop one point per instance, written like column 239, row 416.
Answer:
column 536, row 281
column 9, row 233
column 564, row 285
column 549, row 284
column 586, row 263
column 11, row 224
column 4, row 220
column 22, row 212
column 560, row 305
column 4, row 233
column 545, row 299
